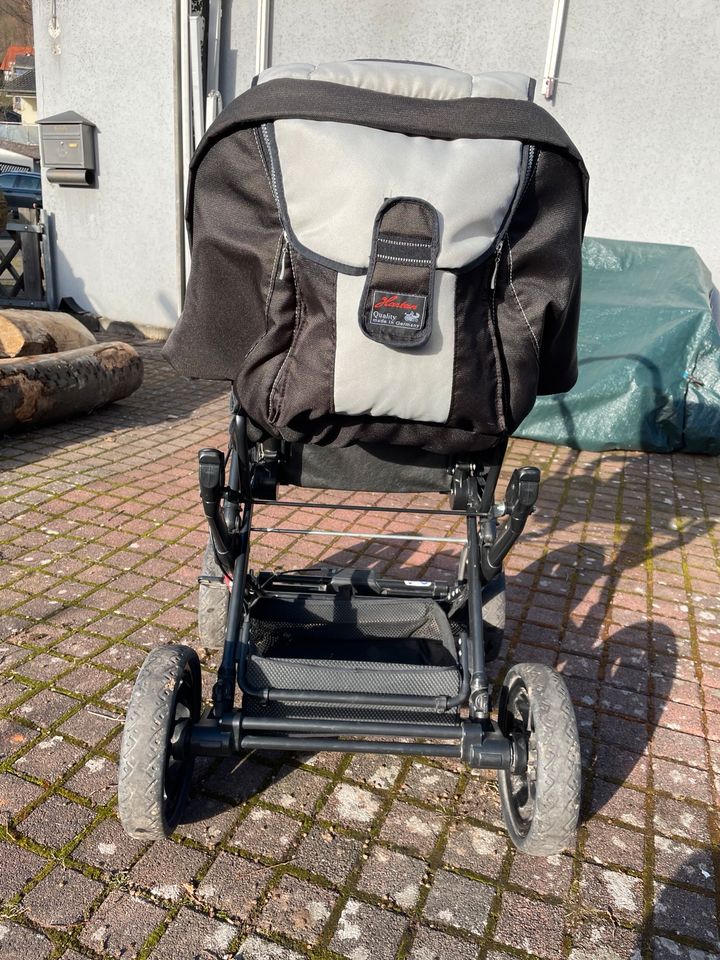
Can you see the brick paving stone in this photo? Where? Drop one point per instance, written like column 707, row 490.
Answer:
column 96, row 780
column 89, row 725
column 266, row 833
column 621, row 766
column 609, row 844
column 108, row 847
column 683, row 863
column 11, row 690
column 295, row 789
column 206, row 820
column 18, row 866
column 434, row 945
column 297, row 909
column 45, row 708
column 49, row 759
column 674, row 745
column 121, row 925
column 13, row 737
column 43, row 667
column 530, row 925
column 379, row 771
column 367, row 931
column 601, row 940
column 237, row 780
column 674, row 818
column 328, row 854
column 55, row 822
column 257, row 948
column 85, row 680
column 481, row 801
column 19, row 943
column 233, row 885
column 351, row 806
column 546, row 875
column 430, row 784
column 121, row 656
column 459, row 902
column 665, row 949
column 193, row 936
column 62, row 898
column 475, row 849
column 166, row 868
column 392, row 876
column 620, row 803
column 620, row 892
column 680, row 912
column 681, row 780
column 16, row 793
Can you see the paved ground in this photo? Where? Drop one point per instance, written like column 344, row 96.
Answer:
column 616, row 583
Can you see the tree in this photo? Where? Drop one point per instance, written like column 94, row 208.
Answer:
column 16, row 24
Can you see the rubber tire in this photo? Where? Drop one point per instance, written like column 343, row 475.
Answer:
column 494, row 606
column 213, row 600
column 557, row 799
column 146, row 737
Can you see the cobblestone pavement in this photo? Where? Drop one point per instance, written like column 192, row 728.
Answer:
column 615, row 583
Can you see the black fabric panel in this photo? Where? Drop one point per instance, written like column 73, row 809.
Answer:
column 286, row 381
column 401, row 271
column 477, row 396
column 236, row 242
column 380, row 468
column 468, row 117
column 538, row 286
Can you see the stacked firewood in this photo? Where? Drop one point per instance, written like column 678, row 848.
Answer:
column 51, row 368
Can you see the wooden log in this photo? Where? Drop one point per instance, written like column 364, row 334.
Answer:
column 37, row 390
column 27, row 333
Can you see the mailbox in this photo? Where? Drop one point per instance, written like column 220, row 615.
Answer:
column 67, row 149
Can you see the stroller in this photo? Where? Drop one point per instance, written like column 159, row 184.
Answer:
column 386, row 265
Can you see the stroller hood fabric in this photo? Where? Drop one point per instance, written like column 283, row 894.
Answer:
column 384, row 252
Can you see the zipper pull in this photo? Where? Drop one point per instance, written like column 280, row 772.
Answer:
column 284, row 260
column 498, row 254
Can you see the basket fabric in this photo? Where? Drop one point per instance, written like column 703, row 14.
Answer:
column 386, row 253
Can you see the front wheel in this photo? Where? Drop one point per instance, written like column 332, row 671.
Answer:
column 541, row 802
column 155, row 761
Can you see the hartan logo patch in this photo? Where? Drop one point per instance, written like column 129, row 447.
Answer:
column 401, row 311
column 393, row 300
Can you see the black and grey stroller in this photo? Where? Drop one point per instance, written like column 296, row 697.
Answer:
column 386, row 265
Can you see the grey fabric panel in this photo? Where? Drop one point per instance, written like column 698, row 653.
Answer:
column 373, row 379
column 482, row 118
column 336, row 176
column 407, row 79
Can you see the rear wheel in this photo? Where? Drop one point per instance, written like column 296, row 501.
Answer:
column 155, row 761
column 540, row 803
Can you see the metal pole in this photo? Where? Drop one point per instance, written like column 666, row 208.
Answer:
column 553, row 50
column 262, row 43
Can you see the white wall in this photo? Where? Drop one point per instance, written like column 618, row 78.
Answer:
column 639, row 93
column 117, row 244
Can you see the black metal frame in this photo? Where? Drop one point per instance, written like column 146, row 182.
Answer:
column 228, row 508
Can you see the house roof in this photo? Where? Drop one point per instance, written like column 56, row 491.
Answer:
column 24, row 84
column 24, row 149
column 13, row 51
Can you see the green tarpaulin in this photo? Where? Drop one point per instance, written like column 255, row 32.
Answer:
column 649, row 356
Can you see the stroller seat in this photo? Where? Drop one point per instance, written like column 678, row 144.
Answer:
column 386, row 267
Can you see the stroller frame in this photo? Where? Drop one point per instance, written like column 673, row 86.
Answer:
column 477, row 740
column 533, row 745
